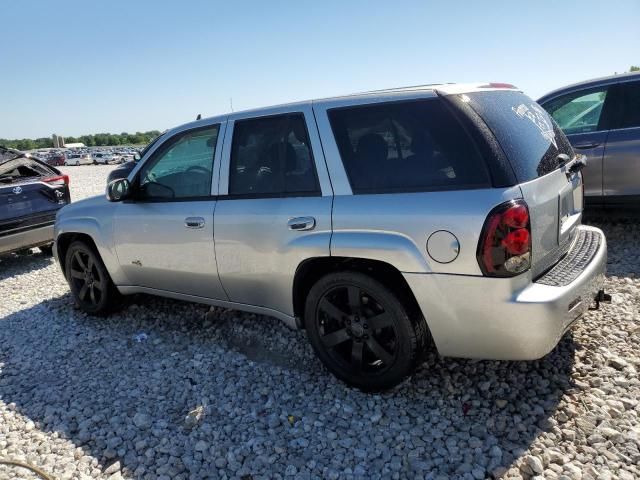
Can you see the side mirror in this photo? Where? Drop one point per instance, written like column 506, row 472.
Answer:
column 136, row 157
column 118, row 190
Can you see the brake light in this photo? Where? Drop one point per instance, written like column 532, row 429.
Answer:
column 504, row 249
column 497, row 85
column 58, row 180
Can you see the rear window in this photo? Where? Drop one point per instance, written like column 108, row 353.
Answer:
column 20, row 169
column 529, row 137
column 406, row 147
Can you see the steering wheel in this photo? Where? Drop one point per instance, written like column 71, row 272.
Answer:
column 194, row 168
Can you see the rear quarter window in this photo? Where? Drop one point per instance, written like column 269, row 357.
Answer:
column 406, row 147
column 530, row 138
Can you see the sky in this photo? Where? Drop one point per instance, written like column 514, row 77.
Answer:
column 74, row 67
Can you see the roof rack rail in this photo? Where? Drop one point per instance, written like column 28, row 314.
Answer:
column 395, row 89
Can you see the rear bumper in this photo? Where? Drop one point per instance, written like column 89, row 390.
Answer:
column 25, row 239
column 505, row 319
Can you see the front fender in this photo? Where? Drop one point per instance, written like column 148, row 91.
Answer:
column 101, row 234
column 393, row 248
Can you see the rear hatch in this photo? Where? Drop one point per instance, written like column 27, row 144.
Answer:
column 544, row 165
column 31, row 193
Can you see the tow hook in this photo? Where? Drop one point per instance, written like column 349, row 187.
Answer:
column 601, row 297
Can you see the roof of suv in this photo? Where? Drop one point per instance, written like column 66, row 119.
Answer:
column 594, row 82
column 443, row 88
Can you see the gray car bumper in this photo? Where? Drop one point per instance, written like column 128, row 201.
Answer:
column 508, row 319
column 29, row 238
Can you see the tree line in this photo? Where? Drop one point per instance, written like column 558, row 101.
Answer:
column 96, row 140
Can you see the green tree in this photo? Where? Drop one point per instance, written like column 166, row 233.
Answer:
column 26, row 144
column 98, row 139
column 633, row 68
column 87, row 140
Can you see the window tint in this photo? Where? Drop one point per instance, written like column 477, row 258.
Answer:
column 182, row 168
column 529, row 137
column 630, row 99
column 405, row 147
column 579, row 112
column 272, row 156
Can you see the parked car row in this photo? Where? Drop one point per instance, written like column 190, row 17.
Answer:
column 385, row 224
column 87, row 156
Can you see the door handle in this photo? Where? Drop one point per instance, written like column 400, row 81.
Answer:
column 301, row 223
column 585, row 146
column 194, row 222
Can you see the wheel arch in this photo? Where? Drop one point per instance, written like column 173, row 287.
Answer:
column 311, row 270
column 95, row 234
column 64, row 240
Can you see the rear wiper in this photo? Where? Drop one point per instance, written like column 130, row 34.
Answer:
column 578, row 163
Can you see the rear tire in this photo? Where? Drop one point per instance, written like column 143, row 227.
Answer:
column 89, row 281
column 362, row 332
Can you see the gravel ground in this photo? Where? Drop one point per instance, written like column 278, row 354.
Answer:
column 225, row 394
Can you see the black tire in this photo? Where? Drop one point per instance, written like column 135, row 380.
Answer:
column 47, row 249
column 89, row 281
column 362, row 332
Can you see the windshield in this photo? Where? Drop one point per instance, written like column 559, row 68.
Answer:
column 530, row 138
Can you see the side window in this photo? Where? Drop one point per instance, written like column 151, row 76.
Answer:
column 182, row 168
column 406, row 147
column 579, row 112
column 272, row 156
column 630, row 97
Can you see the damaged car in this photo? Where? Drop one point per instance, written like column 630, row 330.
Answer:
column 31, row 193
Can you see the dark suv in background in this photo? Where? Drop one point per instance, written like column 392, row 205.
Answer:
column 31, row 193
column 601, row 119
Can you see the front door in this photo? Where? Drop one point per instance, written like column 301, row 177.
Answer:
column 164, row 234
column 621, row 161
column 274, row 208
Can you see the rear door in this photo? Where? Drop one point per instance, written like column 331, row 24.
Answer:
column 583, row 117
column 534, row 144
column 30, row 194
column 621, row 161
column 274, row 207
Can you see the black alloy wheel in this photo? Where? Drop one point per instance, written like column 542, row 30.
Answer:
column 361, row 331
column 356, row 329
column 89, row 280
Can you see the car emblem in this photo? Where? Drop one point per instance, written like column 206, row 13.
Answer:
column 17, row 190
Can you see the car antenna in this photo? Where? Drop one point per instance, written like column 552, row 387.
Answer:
column 199, row 116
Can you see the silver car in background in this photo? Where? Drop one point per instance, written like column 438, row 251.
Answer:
column 78, row 159
column 601, row 119
column 385, row 224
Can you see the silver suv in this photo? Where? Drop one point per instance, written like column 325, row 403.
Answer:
column 385, row 224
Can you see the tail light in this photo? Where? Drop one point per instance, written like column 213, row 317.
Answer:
column 504, row 249
column 57, row 180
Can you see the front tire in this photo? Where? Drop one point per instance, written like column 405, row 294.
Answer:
column 89, row 281
column 362, row 332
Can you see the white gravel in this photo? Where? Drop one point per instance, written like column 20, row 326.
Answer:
column 234, row 395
